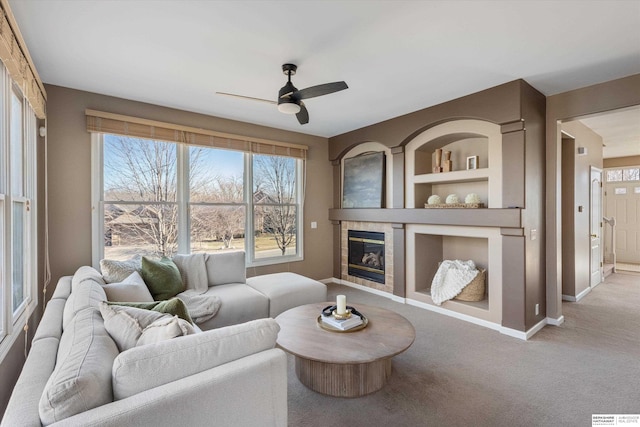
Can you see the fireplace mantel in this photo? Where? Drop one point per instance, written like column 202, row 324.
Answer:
column 504, row 218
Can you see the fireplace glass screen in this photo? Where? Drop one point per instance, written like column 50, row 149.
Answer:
column 366, row 255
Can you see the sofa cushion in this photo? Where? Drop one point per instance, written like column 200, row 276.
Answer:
column 162, row 278
column 86, row 273
column 288, row 290
column 81, row 379
column 116, row 271
column 173, row 306
column 226, row 267
column 63, row 288
column 238, row 303
column 50, row 325
column 143, row 368
column 87, row 293
column 130, row 327
column 132, row 289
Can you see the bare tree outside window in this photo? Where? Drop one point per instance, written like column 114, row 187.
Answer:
column 222, row 221
column 275, row 199
column 142, row 171
column 141, row 200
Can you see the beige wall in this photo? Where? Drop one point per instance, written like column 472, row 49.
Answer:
column 576, row 178
column 564, row 107
column 70, row 178
column 619, row 162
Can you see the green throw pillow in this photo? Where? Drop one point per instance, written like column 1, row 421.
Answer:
column 162, row 278
column 173, row 306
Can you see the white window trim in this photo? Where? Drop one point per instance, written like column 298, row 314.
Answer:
column 182, row 201
column 12, row 322
column 250, row 241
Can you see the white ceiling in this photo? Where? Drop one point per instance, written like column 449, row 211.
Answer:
column 396, row 56
column 620, row 132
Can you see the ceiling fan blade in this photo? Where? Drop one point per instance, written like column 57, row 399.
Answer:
column 303, row 115
column 325, row 89
column 246, row 97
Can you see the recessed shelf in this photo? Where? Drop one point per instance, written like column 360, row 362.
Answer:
column 470, row 175
column 453, row 304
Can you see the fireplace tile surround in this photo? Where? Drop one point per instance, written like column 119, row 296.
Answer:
column 388, row 254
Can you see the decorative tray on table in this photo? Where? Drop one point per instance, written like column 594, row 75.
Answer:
column 329, row 327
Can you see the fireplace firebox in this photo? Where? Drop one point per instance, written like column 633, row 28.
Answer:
column 366, row 255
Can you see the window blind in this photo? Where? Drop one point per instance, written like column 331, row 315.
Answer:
column 14, row 56
column 110, row 123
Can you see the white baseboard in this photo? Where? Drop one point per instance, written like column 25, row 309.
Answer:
column 454, row 314
column 365, row 289
column 577, row 298
column 555, row 322
column 490, row 325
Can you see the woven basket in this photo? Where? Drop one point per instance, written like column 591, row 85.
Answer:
column 474, row 291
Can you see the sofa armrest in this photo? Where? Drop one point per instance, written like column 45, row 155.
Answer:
column 142, row 368
column 250, row 391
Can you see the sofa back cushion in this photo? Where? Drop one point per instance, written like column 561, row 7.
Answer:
column 86, row 273
column 81, row 379
column 87, row 293
column 226, row 267
column 146, row 367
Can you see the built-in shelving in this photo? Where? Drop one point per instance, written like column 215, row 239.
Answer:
column 434, row 235
column 471, row 175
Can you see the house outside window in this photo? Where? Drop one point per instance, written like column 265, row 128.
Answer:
column 160, row 198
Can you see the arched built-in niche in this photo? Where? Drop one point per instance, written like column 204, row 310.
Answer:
column 463, row 138
column 367, row 147
column 429, row 244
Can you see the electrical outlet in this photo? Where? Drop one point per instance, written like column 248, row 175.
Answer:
column 314, row 224
column 537, row 309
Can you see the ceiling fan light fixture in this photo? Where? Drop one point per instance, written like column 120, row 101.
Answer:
column 288, row 108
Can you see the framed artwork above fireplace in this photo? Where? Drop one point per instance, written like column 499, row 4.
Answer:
column 364, row 181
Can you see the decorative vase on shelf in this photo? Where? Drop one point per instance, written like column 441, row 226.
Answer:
column 447, row 164
column 438, row 167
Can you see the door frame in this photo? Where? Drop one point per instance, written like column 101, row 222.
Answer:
column 599, row 220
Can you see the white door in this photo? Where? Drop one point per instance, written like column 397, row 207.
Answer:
column 623, row 203
column 596, row 226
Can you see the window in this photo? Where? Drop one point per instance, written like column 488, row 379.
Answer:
column 628, row 174
column 161, row 198
column 18, row 250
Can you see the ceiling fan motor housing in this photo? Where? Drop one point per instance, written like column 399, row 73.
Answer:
column 287, row 104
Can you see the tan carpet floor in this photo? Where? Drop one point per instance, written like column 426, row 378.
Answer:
column 460, row 374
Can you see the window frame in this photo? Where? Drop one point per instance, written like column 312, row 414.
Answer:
column 12, row 320
column 184, row 204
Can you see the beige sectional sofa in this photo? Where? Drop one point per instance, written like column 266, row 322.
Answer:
column 230, row 373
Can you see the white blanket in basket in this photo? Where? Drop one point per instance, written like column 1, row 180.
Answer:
column 451, row 278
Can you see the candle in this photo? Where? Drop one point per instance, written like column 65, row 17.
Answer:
column 342, row 304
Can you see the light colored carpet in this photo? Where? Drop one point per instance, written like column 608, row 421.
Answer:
column 460, row 374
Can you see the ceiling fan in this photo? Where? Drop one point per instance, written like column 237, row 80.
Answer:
column 290, row 98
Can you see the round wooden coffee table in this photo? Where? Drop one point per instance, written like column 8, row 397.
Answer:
column 344, row 364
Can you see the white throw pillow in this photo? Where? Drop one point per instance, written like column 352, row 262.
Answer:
column 130, row 327
column 117, row 271
column 131, row 289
